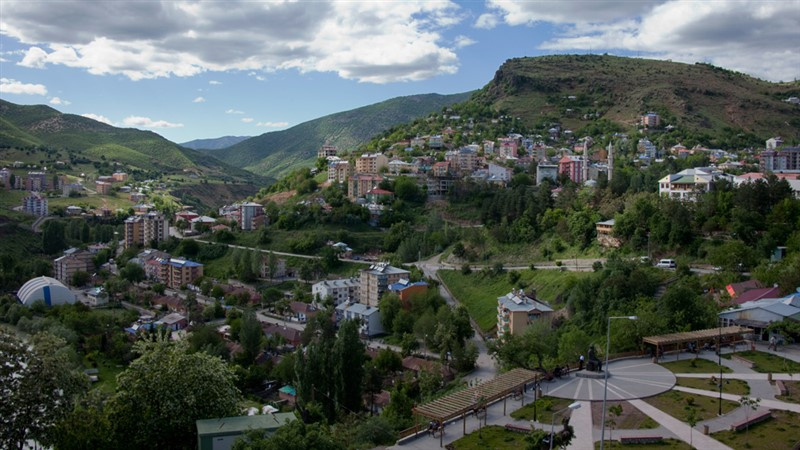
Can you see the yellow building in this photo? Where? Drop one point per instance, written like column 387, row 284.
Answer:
column 376, row 280
column 515, row 311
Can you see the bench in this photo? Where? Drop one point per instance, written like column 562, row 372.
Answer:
column 641, row 439
column 745, row 361
column 759, row 417
column 781, row 387
column 517, row 428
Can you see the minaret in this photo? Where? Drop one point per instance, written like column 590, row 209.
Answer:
column 610, row 161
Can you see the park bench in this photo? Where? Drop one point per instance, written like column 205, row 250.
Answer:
column 742, row 424
column 641, row 439
column 781, row 387
column 745, row 361
column 517, row 428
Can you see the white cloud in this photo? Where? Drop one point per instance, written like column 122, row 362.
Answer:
column 375, row 42
column 247, row 119
column 98, row 118
column 486, row 21
column 215, row 82
column 234, row 111
column 751, row 36
column 273, row 124
column 9, row 86
column 146, row 122
column 199, row 100
column 463, row 41
column 59, row 101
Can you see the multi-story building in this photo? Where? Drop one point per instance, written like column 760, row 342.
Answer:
column 250, row 212
column 145, row 229
column 36, row 204
column 515, row 311
column 5, row 178
column 572, row 167
column 69, row 188
column 436, row 142
column 464, row 159
column 103, row 187
column 344, row 290
column 782, row 160
column 689, row 183
column 488, row 147
column 368, row 316
column 181, row 272
column 499, row 174
column 651, row 120
column 376, row 280
column 120, row 176
column 359, row 184
column 36, row 181
column 339, row 171
column 73, row 260
column 647, row 149
column 371, row 163
column 326, row 151
column 774, row 142
column 441, row 169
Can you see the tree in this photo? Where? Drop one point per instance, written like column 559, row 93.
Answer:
column 691, row 419
column 295, row 435
column 616, row 411
column 53, row 237
column 250, row 336
column 164, row 391
column 749, row 404
column 132, row 272
column 38, row 386
column 349, row 366
column 80, row 278
column 86, row 426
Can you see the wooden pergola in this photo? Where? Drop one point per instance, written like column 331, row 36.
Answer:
column 468, row 400
column 718, row 336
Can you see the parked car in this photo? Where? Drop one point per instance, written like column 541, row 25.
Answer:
column 667, row 264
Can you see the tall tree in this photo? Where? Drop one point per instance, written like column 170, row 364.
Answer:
column 349, row 366
column 164, row 391
column 250, row 336
column 53, row 237
column 37, row 385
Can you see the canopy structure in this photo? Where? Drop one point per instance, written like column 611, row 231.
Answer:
column 459, row 403
column 711, row 334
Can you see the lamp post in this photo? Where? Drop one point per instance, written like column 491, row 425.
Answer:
column 719, row 363
column 572, row 406
column 605, row 377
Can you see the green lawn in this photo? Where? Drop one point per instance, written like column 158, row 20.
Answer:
column 491, row 437
column 545, row 407
column 666, row 443
column 794, row 392
column 736, row 387
column 478, row 292
column 769, row 363
column 107, row 378
column 112, row 202
column 780, row 432
column 698, row 365
column 630, row 419
column 677, row 403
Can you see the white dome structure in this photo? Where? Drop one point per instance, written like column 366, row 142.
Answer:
column 50, row 290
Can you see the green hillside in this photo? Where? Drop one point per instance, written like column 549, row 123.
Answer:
column 695, row 98
column 277, row 153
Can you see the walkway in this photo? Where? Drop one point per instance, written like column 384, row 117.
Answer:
column 678, row 428
column 630, row 378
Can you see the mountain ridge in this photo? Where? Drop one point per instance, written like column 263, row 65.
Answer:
column 213, row 143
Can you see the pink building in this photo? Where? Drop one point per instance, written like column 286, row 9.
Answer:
column 572, row 167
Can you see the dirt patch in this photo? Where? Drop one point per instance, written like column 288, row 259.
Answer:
column 280, row 197
column 630, row 419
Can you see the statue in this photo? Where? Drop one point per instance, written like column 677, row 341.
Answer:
column 594, row 364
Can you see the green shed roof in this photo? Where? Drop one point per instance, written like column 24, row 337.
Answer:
column 240, row 424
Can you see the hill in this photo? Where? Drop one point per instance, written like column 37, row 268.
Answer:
column 88, row 146
column 577, row 90
column 214, row 143
column 276, row 153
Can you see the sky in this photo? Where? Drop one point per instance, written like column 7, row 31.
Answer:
column 205, row 69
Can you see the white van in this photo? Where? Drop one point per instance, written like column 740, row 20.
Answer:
column 667, row 264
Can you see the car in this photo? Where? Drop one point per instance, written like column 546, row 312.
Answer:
column 667, row 264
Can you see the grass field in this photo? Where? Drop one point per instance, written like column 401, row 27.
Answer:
column 545, row 407
column 107, row 377
column 698, row 365
column 478, row 292
column 737, row 387
column 630, row 419
column 665, row 444
column 491, row 437
column 794, row 392
column 676, row 404
column 769, row 363
column 780, row 432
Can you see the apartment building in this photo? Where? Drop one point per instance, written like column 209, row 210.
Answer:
column 343, row 290
column 376, row 280
column 371, row 163
column 36, row 204
column 146, row 228
column 516, row 310
column 72, row 261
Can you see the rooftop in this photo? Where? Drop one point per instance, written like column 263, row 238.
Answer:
column 239, row 424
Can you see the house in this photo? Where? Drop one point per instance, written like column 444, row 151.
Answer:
column 687, row 184
column 103, row 187
column 376, row 280
column 651, row 120
column 516, row 310
column 97, row 296
column 302, row 311
column 417, row 365
column 339, row 171
column 761, row 313
column 339, row 291
column 499, row 174
column 396, row 167
column 173, row 304
column 221, row 433
column 288, row 394
column 605, row 234
column 737, row 289
column 327, row 151
column 405, row 289
column 359, row 184
column 757, row 294
column 201, row 222
column 377, row 195
column 173, row 321
column 292, row 336
column 368, row 316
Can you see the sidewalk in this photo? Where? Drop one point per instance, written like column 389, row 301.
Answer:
column 680, row 429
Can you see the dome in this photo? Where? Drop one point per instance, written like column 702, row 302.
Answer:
column 45, row 288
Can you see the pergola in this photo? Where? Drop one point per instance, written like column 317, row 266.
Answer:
column 715, row 335
column 462, row 402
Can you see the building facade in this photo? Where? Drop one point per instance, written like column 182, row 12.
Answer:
column 376, row 280
column 343, row 290
column 145, row 229
column 36, row 204
column 515, row 311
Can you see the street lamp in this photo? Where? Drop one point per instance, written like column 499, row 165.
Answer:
column 573, row 406
column 605, row 377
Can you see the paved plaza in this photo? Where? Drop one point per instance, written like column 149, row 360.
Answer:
column 627, row 379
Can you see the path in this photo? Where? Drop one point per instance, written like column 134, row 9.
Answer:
column 680, row 429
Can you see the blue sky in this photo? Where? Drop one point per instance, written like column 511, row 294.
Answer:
column 201, row 69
